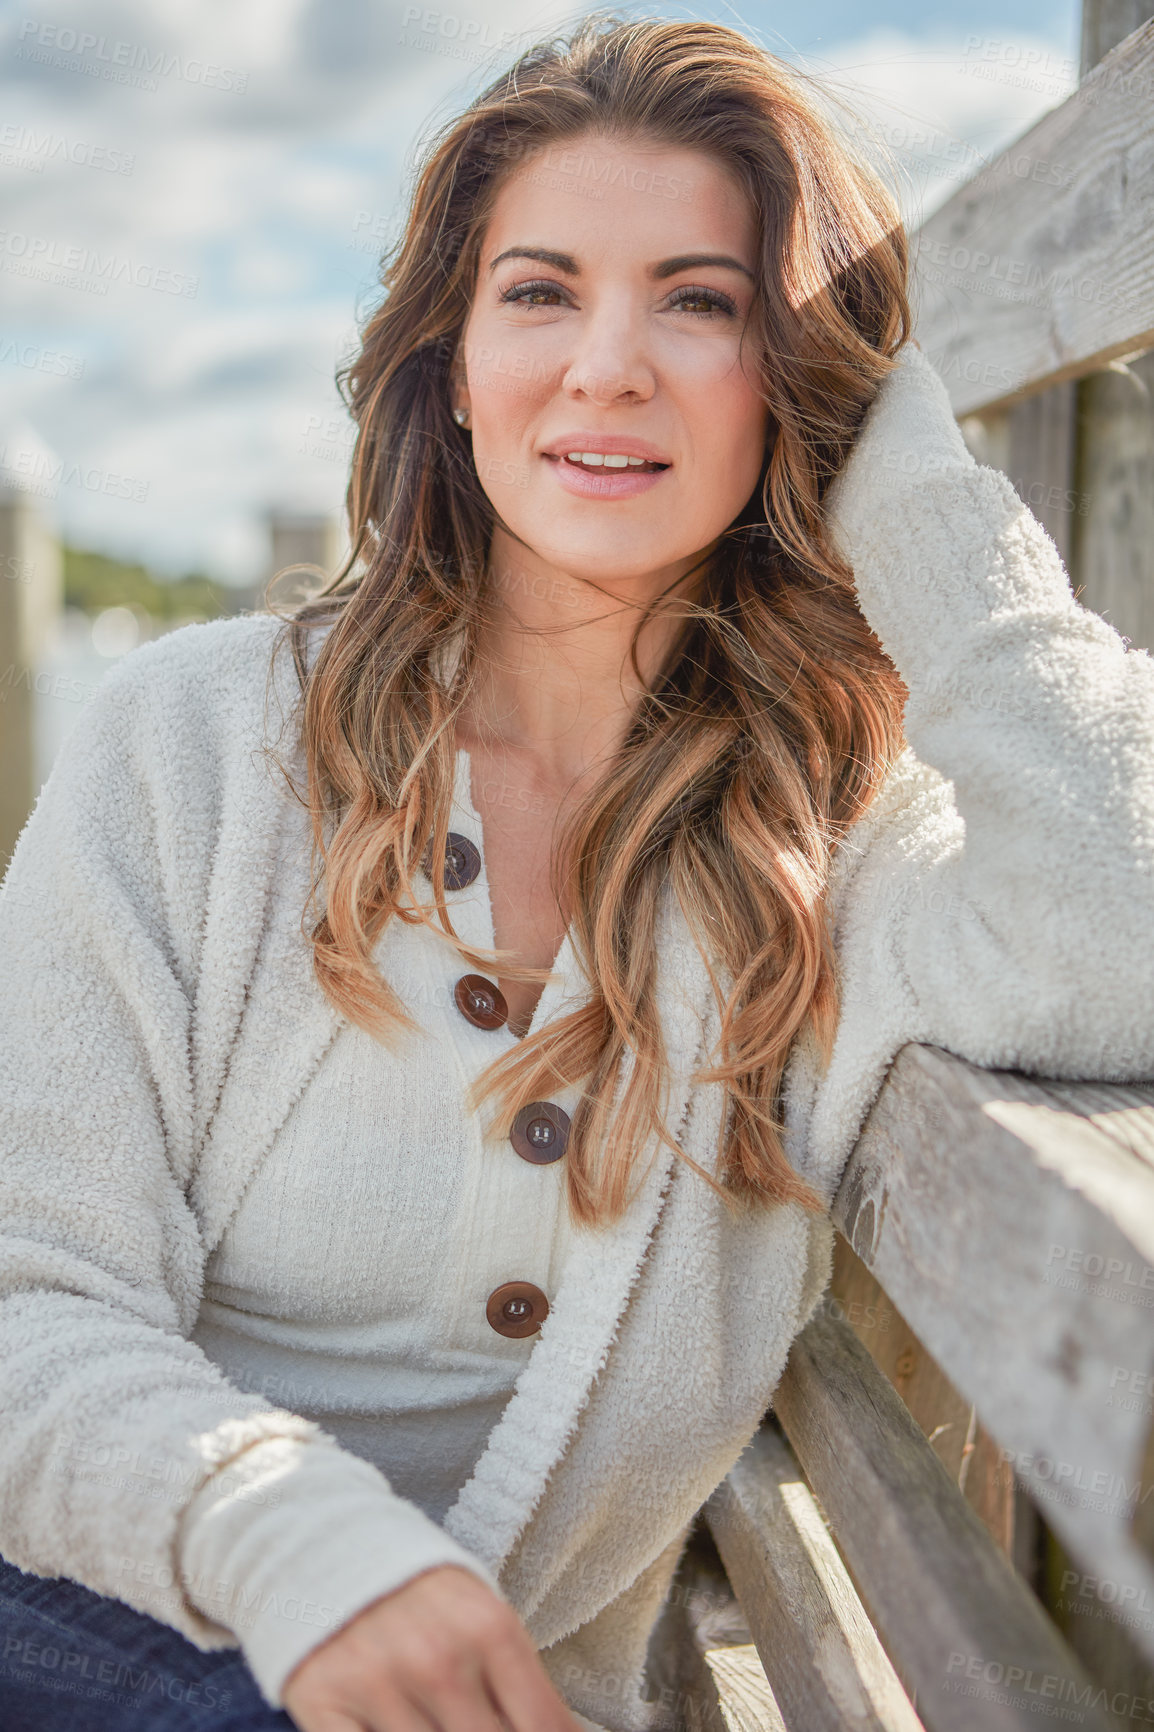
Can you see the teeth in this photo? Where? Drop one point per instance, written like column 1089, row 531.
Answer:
column 596, row 460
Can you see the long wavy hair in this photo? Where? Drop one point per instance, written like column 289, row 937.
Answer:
column 774, row 717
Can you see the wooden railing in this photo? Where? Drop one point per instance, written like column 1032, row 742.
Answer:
column 1034, row 296
column 996, row 1254
column 1042, row 268
column 1011, row 1220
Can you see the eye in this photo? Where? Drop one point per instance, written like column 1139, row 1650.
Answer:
column 522, row 291
column 715, row 301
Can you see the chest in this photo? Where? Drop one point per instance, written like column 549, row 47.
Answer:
column 385, row 1214
column 518, row 813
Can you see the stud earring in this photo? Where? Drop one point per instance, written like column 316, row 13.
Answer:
column 461, row 417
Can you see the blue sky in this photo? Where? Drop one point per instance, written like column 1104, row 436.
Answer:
column 230, row 165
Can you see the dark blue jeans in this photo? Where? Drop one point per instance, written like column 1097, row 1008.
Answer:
column 74, row 1661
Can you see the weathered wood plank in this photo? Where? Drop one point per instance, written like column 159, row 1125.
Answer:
column 962, row 1445
column 744, row 1698
column 1112, row 563
column 970, row 1639
column 1011, row 1220
column 823, row 1659
column 1041, row 268
column 1105, row 23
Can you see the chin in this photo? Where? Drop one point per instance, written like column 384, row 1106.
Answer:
column 602, row 557
column 610, row 568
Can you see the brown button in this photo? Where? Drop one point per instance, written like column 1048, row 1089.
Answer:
column 480, row 1002
column 462, row 862
column 540, row 1132
column 516, row 1308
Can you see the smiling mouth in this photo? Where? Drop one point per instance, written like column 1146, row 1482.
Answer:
column 615, row 464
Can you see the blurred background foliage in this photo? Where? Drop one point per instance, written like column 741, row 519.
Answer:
column 94, row 581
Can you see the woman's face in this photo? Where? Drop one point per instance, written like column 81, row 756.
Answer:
column 624, row 339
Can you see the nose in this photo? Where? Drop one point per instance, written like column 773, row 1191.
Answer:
column 609, row 359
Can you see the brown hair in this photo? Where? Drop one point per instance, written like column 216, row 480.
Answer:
column 773, row 721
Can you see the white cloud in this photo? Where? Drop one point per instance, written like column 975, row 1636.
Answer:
column 940, row 106
column 221, row 400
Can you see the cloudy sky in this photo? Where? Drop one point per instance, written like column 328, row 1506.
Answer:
column 240, row 162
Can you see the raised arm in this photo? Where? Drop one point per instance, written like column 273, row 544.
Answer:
column 1004, row 886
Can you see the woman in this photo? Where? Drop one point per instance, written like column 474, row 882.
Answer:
column 376, row 1321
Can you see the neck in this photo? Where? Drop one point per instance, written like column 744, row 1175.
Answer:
column 556, row 679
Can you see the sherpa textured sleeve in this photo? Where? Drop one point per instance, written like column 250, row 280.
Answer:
column 1014, row 916
column 113, row 1421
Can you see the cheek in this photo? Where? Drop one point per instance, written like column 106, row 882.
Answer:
column 731, row 424
column 716, row 389
column 505, row 371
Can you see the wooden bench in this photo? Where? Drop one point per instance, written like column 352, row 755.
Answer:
column 1010, row 1221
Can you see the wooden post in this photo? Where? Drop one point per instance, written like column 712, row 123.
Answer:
column 1113, row 546
column 1105, row 23
column 31, row 593
column 1111, row 560
column 301, row 540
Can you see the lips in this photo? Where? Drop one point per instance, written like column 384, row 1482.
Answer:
column 609, row 463
column 591, row 481
column 584, row 440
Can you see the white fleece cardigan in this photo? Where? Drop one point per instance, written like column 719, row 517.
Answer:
column 160, row 1016
column 351, row 1285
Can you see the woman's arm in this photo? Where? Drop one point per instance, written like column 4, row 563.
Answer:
column 113, row 1423
column 1016, row 918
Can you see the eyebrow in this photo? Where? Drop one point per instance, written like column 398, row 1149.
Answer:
column 667, row 268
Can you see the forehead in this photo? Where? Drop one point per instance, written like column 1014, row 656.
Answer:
column 605, row 199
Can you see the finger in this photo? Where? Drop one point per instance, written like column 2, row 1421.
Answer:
column 391, row 1712
column 524, row 1693
column 455, row 1696
column 462, row 1707
column 324, row 1720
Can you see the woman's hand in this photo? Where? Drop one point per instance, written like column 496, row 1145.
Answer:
column 443, row 1651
